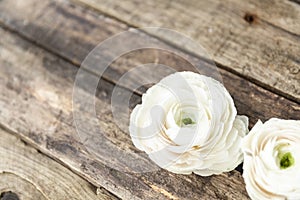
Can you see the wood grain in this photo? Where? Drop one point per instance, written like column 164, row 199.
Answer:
column 71, row 32
column 12, row 184
column 32, row 175
column 36, row 97
column 63, row 28
column 282, row 14
column 260, row 49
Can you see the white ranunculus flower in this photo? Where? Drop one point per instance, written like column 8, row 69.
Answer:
column 188, row 123
column 272, row 160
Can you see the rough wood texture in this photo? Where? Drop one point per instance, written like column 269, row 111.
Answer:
column 67, row 30
column 282, row 14
column 32, row 175
column 36, row 99
column 71, row 32
column 239, row 36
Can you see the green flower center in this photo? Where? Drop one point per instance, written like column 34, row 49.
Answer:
column 286, row 160
column 187, row 121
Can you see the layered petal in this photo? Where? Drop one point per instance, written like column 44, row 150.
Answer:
column 188, row 123
column 272, row 160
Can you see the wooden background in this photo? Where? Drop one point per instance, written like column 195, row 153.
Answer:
column 255, row 45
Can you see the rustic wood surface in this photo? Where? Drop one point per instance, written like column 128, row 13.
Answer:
column 240, row 36
column 73, row 40
column 42, row 45
column 32, row 175
column 39, row 78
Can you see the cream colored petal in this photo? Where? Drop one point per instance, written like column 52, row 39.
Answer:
column 209, row 145
column 263, row 175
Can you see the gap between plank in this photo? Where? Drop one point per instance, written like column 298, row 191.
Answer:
column 59, row 56
column 64, row 58
column 295, row 1
column 73, row 63
column 250, row 79
column 219, row 65
column 44, row 153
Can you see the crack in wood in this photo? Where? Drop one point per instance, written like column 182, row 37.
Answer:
column 295, row 1
column 248, row 17
column 262, row 105
column 139, row 20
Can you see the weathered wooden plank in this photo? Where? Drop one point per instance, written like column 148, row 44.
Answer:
column 282, row 14
column 250, row 100
column 78, row 30
column 12, row 185
column 60, row 27
column 36, row 97
column 31, row 175
column 253, row 48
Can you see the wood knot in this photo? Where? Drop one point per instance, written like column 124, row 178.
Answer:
column 250, row 18
column 8, row 196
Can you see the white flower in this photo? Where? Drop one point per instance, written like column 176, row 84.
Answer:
column 272, row 160
column 187, row 123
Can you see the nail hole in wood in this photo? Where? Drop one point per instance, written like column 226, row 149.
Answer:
column 250, row 18
column 8, row 196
